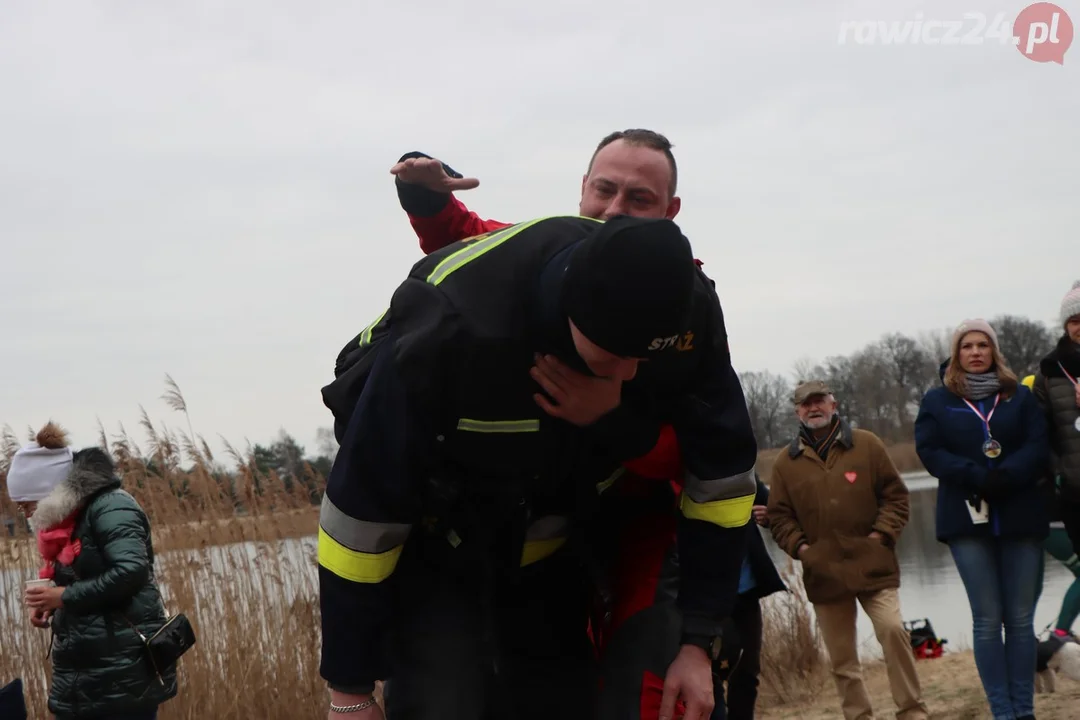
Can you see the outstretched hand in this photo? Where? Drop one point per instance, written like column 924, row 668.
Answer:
column 429, row 173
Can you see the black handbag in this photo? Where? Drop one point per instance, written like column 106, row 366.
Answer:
column 165, row 647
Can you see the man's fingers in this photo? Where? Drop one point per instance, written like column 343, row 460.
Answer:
column 551, row 367
column 697, row 710
column 550, row 384
column 563, row 373
column 462, row 184
column 667, row 702
column 546, row 406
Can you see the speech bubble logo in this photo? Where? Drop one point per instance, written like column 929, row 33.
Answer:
column 1043, row 32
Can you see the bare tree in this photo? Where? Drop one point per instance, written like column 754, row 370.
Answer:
column 912, row 372
column 1023, row 342
column 326, row 442
column 768, row 398
column 937, row 345
column 805, row 369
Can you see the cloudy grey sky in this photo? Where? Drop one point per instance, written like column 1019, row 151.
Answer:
column 204, row 191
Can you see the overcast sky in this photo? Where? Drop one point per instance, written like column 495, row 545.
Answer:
column 204, row 191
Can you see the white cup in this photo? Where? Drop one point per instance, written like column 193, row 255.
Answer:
column 39, row 583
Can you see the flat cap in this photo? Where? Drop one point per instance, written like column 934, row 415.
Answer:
column 808, row 389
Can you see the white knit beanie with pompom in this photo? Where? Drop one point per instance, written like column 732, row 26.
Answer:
column 39, row 467
column 1070, row 304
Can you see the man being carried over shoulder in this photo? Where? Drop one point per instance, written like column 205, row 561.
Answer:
column 453, row 481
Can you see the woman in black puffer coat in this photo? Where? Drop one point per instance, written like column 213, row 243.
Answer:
column 1059, row 395
column 96, row 542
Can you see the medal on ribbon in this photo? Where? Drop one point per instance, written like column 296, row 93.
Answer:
column 991, row 448
column 1073, row 381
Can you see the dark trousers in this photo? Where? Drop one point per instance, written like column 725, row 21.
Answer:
column 469, row 646
column 742, row 683
column 1070, row 517
column 635, row 662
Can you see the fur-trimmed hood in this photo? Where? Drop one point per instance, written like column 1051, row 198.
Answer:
column 92, row 471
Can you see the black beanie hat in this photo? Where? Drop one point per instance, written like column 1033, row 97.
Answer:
column 629, row 283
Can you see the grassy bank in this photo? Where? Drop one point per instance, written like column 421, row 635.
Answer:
column 950, row 686
column 796, row 683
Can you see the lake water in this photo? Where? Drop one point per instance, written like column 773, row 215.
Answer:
column 930, row 587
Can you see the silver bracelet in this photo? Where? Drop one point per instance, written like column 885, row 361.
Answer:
column 352, row 708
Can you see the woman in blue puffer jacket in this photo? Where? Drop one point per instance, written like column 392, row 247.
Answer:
column 984, row 437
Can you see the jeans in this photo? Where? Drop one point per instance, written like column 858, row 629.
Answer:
column 1001, row 578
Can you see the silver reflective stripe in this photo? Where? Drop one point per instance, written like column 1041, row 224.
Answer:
column 548, row 527
column 733, row 486
column 498, row 426
column 360, row 535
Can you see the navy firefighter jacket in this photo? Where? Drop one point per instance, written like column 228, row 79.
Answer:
column 448, row 396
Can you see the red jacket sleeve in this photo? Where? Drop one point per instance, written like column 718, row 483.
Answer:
column 454, row 222
column 439, row 218
column 663, row 462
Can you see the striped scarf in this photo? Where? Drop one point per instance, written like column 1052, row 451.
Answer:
column 981, row 386
column 822, row 445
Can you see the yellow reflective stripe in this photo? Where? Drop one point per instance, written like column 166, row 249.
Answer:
column 602, row 486
column 536, row 550
column 365, row 336
column 353, row 565
column 729, row 513
column 464, row 256
column 498, row 426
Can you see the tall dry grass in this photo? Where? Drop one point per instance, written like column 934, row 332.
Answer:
column 218, row 537
column 235, row 552
column 794, row 667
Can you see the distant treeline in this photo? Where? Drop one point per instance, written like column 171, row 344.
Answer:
column 879, row 387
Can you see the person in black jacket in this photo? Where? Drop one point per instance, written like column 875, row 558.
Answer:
column 758, row 580
column 464, row 485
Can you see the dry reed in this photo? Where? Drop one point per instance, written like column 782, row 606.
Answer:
column 794, row 667
column 234, row 551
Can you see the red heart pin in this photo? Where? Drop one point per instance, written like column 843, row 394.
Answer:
column 850, row 476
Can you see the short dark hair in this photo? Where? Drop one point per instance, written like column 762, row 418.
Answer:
column 642, row 138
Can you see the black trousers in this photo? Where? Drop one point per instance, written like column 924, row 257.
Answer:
column 469, row 646
column 1070, row 517
column 742, row 683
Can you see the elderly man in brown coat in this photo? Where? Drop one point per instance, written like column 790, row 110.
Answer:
column 838, row 504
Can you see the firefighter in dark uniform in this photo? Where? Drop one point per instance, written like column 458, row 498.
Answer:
column 458, row 518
